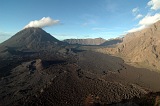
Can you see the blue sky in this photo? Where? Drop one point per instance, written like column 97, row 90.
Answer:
column 77, row 18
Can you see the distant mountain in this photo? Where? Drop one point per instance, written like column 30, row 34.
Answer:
column 112, row 42
column 31, row 38
column 96, row 41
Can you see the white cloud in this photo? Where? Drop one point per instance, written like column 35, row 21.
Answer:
column 148, row 20
column 136, row 29
column 136, row 13
column 44, row 22
column 135, row 10
column 145, row 22
column 139, row 16
column 155, row 4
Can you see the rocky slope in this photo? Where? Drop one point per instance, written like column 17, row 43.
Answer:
column 31, row 38
column 140, row 48
column 29, row 41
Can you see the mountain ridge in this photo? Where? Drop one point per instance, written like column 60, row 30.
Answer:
column 88, row 41
column 95, row 41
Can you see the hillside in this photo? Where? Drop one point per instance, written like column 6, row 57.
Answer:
column 29, row 41
column 140, row 48
column 31, row 38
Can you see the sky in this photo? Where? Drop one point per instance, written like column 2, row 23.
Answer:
column 65, row 19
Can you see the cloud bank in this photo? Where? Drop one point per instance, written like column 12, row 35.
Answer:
column 155, row 4
column 146, row 21
column 44, row 22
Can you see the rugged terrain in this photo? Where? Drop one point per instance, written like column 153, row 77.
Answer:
column 38, row 69
column 140, row 48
